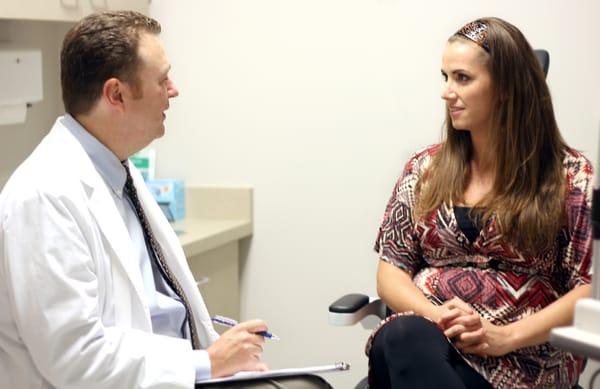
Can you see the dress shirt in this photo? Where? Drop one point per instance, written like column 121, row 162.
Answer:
column 167, row 312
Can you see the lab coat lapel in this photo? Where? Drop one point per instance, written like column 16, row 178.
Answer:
column 176, row 260
column 127, row 280
column 113, row 228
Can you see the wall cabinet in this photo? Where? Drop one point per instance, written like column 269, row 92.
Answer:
column 64, row 10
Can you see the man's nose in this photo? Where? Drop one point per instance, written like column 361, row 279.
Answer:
column 172, row 90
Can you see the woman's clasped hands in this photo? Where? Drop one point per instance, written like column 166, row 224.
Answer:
column 471, row 333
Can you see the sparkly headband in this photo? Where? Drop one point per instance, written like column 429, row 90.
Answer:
column 477, row 32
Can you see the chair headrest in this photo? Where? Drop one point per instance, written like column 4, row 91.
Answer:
column 544, row 59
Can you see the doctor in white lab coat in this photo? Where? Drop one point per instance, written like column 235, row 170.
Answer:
column 74, row 309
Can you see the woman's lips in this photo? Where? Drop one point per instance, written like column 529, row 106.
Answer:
column 455, row 112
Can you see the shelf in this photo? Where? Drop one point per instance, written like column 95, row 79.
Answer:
column 201, row 235
column 215, row 216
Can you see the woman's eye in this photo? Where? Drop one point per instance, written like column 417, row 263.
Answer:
column 444, row 76
column 462, row 77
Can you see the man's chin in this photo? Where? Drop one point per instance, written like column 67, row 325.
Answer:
column 160, row 132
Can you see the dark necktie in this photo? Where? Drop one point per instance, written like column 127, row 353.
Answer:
column 155, row 252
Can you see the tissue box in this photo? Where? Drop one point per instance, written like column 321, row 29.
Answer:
column 170, row 196
column 145, row 160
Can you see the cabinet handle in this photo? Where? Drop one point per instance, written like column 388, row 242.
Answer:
column 202, row 281
column 70, row 3
column 102, row 4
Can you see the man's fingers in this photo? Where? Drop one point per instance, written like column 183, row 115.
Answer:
column 255, row 344
column 255, row 365
column 251, row 329
column 253, row 326
column 261, row 367
column 238, row 349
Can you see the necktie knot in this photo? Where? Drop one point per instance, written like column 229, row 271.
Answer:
column 128, row 187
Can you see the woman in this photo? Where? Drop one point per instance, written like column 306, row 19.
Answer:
column 486, row 242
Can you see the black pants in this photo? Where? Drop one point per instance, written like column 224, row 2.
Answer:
column 411, row 352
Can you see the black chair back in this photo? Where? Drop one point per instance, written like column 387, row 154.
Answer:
column 544, row 58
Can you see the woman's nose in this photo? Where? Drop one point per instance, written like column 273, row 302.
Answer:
column 448, row 93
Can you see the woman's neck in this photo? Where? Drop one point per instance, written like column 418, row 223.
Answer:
column 482, row 167
column 484, row 155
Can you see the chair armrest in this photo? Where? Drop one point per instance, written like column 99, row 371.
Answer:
column 353, row 308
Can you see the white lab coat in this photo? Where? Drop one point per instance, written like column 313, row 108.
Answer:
column 72, row 306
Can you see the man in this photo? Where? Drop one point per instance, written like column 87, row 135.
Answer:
column 95, row 291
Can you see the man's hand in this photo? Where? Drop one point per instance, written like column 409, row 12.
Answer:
column 239, row 348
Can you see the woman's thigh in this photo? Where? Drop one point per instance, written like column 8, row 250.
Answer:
column 411, row 351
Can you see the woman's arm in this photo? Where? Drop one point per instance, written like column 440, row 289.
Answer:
column 535, row 329
column 529, row 331
column 397, row 290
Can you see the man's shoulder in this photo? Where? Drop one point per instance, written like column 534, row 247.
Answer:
column 52, row 169
column 33, row 179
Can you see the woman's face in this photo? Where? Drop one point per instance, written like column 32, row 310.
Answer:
column 467, row 86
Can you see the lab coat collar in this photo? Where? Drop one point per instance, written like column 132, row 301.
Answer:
column 105, row 161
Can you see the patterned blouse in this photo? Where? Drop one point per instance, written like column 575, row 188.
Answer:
column 501, row 283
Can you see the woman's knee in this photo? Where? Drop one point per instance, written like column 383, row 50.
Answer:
column 410, row 332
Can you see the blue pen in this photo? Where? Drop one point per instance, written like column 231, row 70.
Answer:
column 227, row 322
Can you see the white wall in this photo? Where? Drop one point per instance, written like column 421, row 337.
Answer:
column 317, row 104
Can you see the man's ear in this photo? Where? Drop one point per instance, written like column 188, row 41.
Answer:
column 112, row 93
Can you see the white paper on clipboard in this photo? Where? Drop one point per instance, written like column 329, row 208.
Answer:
column 251, row 375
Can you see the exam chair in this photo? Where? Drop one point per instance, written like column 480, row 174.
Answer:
column 356, row 308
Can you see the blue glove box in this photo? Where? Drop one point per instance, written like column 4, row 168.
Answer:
column 170, row 196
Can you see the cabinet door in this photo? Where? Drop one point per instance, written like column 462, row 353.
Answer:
column 220, row 267
column 64, row 10
column 103, row 5
column 59, row 10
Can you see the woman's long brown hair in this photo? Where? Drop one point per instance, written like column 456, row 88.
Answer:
column 527, row 198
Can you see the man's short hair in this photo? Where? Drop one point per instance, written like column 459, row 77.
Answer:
column 101, row 46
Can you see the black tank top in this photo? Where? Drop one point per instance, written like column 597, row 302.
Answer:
column 468, row 222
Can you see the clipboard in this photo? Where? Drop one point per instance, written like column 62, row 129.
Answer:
column 254, row 375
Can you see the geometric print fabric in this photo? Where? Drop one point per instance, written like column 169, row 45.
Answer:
column 502, row 284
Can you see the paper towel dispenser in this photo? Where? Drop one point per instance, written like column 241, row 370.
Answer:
column 21, row 80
